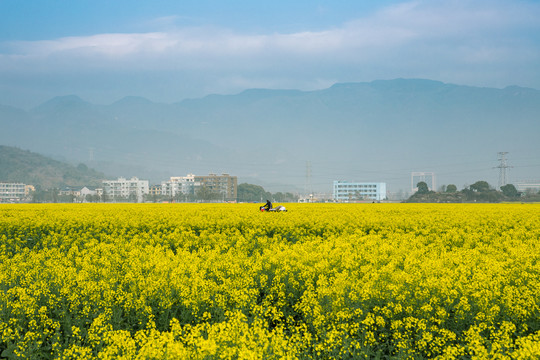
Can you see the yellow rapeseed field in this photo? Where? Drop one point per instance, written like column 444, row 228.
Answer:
column 321, row 281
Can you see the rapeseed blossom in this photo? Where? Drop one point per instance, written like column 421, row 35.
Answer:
column 199, row 281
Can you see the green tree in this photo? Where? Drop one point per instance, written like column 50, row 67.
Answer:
column 289, row 197
column 132, row 197
column 451, row 188
column 422, row 188
column 250, row 192
column 480, row 191
column 480, row 186
column 82, row 167
column 206, row 194
column 40, row 195
column 510, row 190
column 54, row 195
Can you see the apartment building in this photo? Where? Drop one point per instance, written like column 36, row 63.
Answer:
column 11, row 192
column 126, row 188
column 223, row 184
column 345, row 191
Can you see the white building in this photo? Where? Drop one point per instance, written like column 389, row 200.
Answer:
column 85, row 191
column 125, row 188
column 10, row 192
column 531, row 185
column 179, row 185
column 224, row 184
column 345, row 191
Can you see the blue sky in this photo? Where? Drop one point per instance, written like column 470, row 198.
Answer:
column 171, row 50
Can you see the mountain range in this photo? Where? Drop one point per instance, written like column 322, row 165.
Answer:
column 290, row 140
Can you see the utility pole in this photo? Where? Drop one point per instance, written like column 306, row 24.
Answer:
column 503, row 172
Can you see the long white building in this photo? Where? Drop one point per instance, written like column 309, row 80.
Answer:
column 124, row 188
column 345, row 191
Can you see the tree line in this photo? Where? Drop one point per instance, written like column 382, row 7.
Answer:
column 480, row 191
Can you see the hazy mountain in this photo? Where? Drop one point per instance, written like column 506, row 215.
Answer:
column 377, row 131
column 34, row 169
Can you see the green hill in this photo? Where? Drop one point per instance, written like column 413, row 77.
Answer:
column 23, row 166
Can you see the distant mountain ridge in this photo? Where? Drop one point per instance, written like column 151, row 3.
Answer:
column 34, row 169
column 373, row 131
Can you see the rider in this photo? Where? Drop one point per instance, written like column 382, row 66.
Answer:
column 268, row 205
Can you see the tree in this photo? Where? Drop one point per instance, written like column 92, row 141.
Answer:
column 132, row 197
column 54, row 195
column 451, row 188
column 206, row 194
column 422, row 188
column 93, row 198
column 250, row 192
column 480, row 186
column 510, row 190
column 40, row 195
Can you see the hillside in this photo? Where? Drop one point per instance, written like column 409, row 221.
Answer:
column 30, row 168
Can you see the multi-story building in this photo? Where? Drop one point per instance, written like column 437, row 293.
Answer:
column 155, row 189
column 10, row 192
column 29, row 189
column 178, row 185
column 125, row 188
column 223, row 184
column 345, row 191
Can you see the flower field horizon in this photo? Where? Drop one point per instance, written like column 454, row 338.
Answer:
column 321, row 281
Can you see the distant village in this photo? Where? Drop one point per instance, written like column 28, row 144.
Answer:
column 225, row 188
column 189, row 188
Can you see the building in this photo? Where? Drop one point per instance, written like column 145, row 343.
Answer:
column 29, row 189
column 178, row 185
column 12, row 192
column 86, row 192
column 223, row 184
column 345, row 191
column 125, row 189
column 155, row 189
column 528, row 186
column 70, row 191
column 80, row 194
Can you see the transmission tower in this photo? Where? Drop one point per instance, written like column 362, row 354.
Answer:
column 308, row 189
column 503, row 168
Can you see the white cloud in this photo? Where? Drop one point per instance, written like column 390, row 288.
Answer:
column 444, row 40
column 113, row 45
column 448, row 22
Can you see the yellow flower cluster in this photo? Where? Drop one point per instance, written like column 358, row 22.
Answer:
column 203, row 281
